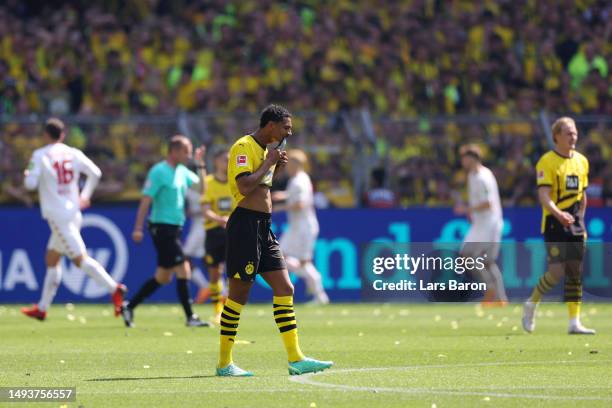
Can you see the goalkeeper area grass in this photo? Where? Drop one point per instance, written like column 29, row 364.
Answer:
column 386, row 355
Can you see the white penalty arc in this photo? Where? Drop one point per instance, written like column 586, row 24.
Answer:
column 310, row 379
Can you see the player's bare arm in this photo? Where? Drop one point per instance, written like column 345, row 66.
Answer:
column 565, row 218
column 143, row 209
column 280, row 165
column 209, row 214
column 583, row 206
column 198, row 157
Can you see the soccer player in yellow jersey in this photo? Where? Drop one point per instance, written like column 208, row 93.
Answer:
column 562, row 178
column 252, row 248
column 217, row 204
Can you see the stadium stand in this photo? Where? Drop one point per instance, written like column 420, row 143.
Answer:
column 432, row 75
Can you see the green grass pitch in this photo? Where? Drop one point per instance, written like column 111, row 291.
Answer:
column 386, row 355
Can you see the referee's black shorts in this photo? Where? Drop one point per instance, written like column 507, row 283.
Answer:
column 252, row 247
column 167, row 241
column 215, row 246
column 563, row 243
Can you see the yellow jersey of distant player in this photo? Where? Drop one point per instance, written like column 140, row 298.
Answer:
column 566, row 176
column 219, row 197
column 245, row 157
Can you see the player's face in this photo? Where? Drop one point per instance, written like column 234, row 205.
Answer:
column 292, row 167
column 467, row 162
column 567, row 137
column 185, row 153
column 282, row 129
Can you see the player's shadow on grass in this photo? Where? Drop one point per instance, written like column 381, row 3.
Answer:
column 189, row 377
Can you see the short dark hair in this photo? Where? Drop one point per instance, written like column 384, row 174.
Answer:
column 177, row 142
column 273, row 113
column 471, row 150
column 54, row 128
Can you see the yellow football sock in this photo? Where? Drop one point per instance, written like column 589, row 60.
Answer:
column 574, row 309
column 285, row 320
column 229, row 328
column 215, row 296
column 546, row 283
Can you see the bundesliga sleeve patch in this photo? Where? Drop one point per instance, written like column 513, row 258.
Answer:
column 540, row 174
column 241, row 160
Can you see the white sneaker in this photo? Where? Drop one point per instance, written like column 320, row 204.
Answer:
column 578, row 328
column 319, row 299
column 322, row 298
column 528, row 320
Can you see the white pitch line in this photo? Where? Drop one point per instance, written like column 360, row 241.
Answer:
column 213, row 391
column 308, row 379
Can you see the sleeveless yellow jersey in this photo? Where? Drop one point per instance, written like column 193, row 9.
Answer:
column 245, row 157
column 567, row 177
column 219, row 197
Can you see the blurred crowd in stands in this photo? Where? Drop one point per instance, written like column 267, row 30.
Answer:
column 398, row 59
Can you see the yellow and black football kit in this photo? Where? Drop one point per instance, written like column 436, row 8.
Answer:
column 252, row 247
column 567, row 178
column 245, row 157
column 221, row 202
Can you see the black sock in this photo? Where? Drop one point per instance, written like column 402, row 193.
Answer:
column 182, row 289
column 145, row 291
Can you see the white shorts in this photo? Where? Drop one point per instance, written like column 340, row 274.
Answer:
column 66, row 236
column 194, row 244
column 299, row 243
column 483, row 239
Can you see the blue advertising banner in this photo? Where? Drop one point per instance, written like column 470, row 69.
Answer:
column 338, row 253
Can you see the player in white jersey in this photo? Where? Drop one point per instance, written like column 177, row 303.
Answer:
column 54, row 171
column 194, row 243
column 485, row 213
column 298, row 241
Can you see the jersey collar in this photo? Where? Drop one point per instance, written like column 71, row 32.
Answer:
column 565, row 157
column 257, row 141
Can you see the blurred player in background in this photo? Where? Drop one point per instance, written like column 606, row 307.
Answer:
column 54, row 170
column 165, row 189
column 252, row 248
column 485, row 213
column 217, row 205
column 562, row 177
column 298, row 241
column 194, row 243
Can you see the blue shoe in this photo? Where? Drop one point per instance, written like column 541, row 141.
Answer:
column 308, row 365
column 232, row 370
